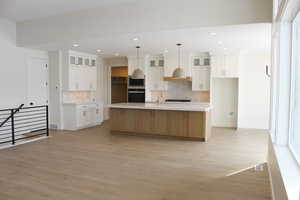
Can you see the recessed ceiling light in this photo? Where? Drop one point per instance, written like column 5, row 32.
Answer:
column 117, row 54
column 225, row 49
column 99, row 50
column 135, row 39
column 213, row 33
column 220, row 42
column 75, row 45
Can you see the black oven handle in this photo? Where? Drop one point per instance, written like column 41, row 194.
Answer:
column 136, row 92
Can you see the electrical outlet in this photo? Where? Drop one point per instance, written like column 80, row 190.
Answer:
column 259, row 168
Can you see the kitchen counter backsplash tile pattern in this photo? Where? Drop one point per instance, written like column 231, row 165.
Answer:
column 79, row 97
column 180, row 90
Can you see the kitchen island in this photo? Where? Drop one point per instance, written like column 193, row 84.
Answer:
column 179, row 120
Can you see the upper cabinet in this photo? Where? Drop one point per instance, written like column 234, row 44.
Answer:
column 155, row 73
column 200, row 67
column 79, row 71
column 200, row 61
column 225, row 66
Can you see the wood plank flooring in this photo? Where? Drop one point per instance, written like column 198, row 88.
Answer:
column 93, row 164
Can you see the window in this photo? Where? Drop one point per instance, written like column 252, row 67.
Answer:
column 294, row 140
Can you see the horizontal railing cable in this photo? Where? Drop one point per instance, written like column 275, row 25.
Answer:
column 23, row 122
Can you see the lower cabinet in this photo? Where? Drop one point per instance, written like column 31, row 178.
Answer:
column 161, row 122
column 82, row 116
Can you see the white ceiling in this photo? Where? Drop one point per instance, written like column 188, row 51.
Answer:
column 250, row 37
column 20, row 10
column 228, row 39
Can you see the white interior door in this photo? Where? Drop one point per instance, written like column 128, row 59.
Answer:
column 37, row 82
column 225, row 102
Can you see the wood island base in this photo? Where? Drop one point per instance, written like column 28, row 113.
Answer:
column 181, row 124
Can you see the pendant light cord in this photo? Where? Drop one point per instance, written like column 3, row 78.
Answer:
column 178, row 54
column 137, row 56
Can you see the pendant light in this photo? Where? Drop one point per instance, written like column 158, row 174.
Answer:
column 178, row 72
column 138, row 73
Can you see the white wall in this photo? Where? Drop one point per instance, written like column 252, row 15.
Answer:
column 142, row 16
column 254, row 91
column 13, row 68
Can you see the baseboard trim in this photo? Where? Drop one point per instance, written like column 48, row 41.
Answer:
column 271, row 182
column 23, row 142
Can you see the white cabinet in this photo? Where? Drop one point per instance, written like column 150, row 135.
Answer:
column 99, row 113
column 82, row 116
column 79, row 71
column 202, row 60
column 156, row 61
column 155, row 77
column 155, row 73
column 225, row 66
column 200, row 79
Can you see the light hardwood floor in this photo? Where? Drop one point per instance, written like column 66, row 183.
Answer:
column 92, row 164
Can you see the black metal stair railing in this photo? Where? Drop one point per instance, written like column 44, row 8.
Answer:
column 23, row 122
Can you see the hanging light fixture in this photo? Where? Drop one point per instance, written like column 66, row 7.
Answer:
column 178, row 72
column 138, row 73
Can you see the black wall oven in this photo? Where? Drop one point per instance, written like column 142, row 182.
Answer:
column 136, row 95
column 136, row 83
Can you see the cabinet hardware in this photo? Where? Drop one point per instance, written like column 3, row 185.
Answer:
column 268, row 71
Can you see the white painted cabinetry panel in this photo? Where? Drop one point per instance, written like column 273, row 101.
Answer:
column 200, row 79
column 225, row 66
column 82, row 116
column 79, row 71
column 155, row 79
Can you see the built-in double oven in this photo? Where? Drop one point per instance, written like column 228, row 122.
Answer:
column 136, row 90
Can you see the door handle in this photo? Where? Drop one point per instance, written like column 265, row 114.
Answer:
column 267, row 71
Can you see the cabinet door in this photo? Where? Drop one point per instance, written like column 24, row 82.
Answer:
column 231, row 66
column 87, row 61
column 83, row 78
column 99, row 114
column 91, row 115
column 156, row 78
column 93, row 78
column 79, row 61
column 217, row 66
column 201, row 80
column 74, row 78
column 82, row 116
column 177, row 122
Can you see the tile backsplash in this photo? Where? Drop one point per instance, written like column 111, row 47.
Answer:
column 180, row 90
column 79, row 97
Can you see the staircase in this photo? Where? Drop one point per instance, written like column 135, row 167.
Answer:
column 23, row 123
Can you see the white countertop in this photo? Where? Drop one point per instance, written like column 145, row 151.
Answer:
column 81, row 104
column 164, row 106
